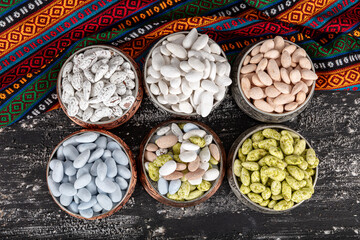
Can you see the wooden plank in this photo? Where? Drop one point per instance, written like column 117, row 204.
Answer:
column 330, row 123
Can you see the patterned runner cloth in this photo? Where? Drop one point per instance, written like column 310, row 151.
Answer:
column 38, row 35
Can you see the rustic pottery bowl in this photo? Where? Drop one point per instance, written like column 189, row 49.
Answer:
column 248, row 107
column 132, row 168
column 115, row 122
column 151, row 187
column 234, row 183
column 147, row 86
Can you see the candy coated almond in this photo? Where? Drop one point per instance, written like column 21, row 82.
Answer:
column 295, row 76
column 285, row 76
column 300, row 97
column 290, row 49
column 256, row 93
column 308, row 74
column 265, row 78
column 279, row 108
column 304, row 62
column 291, row 106
column 173, row 176
column 166, row 141
column 255, row 51
column 262, row 65
column 149, row 156
column 285, row 59
column 195, row 175
column 152, row 147
column 273, row 70
column 273, row 54
column 256, row 81
column 257, row 58
column 272, row 92
column 282, row 87
column 180, row 166
column 279, row 43
column 264, row 106
column 248, row 68
column 214, row 150
column 284, row 99
column 194, row 165
column 267, row 45
column 246, row 60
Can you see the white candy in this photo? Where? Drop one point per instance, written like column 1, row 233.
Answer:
column 195, row 181
column 168, row 168
column 205, row 154
column 169, row 71
column 188, row 156
column 189, row 146
column 211, row 174
column 187, row 74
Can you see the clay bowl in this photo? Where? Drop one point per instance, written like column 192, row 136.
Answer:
column 115, row 122
column 233, row 180
column 132, row 181
column 151, row 186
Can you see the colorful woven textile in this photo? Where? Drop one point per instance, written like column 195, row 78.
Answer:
column 38, row 35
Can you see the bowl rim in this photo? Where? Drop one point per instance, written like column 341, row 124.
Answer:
column 132, row 168
column 122, row 54
column 299, row 108
column 148, row 183
column 248, row 134
column 153, row 98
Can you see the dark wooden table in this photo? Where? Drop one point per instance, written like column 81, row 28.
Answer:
column 330, row 123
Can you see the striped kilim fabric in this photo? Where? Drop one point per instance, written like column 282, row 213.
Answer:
column 38, row 35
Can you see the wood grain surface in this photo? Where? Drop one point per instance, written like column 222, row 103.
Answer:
column 330, row 123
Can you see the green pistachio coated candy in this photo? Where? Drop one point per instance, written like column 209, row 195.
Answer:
column 245, row 177
column 271, row 133
column 267, row 143
column 161, row 160
column 272, row 161
column 276, row 152
column 176, row 148
column 154, row 172
column 299, row 146
column 193, row 195
column 251, row 166
column 241, row 156
column 213, row 161
column 257, row 187
column 264, row 203
column 293, row 159
column 184, row 190
column 303, row 164
column 257, row 137
column 255, row 177
column 277, row 197
column 266, row 194
column 286, row 191
column 255, row 155
column 263, row 177
column 301, row 195
column 286, row 145
column 296, row 172
column 198, row 141
column 272, row 203
column 275, row 187
column 204, row 186
column 310, row 156
column 237, row 167
column 244, row 189
column 246, row 146
column 256, row 198
column 294, row 184
column 174, row 197
column 283, row 205
column 275, row 173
